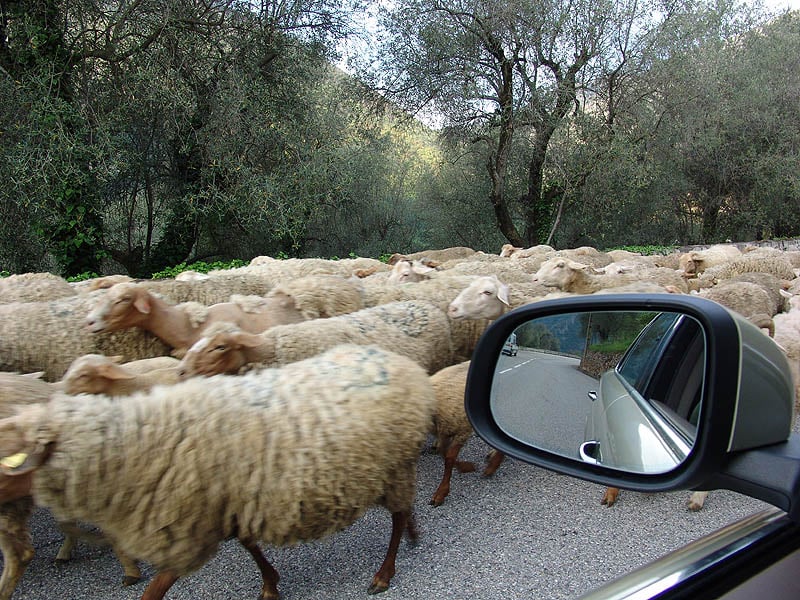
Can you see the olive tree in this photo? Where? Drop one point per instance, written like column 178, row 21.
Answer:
column 495, row 71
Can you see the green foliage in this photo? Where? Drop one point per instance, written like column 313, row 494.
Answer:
column 82, row 276
column 646, row 250
column 199, row 266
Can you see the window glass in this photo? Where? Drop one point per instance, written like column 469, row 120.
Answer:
column 637, row 364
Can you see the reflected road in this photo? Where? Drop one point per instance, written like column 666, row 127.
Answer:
column 544, row 396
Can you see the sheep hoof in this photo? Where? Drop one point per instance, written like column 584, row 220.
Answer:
column 130, row 580
column 465, row 466
column 377, row 587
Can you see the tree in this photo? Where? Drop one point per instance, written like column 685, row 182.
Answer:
column 495, row 70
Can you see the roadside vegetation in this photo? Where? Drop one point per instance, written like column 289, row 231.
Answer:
column 165, row 135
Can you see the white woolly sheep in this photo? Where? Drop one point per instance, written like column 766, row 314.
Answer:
column 408, row 271
column 487, row 298
column 434, row 256
column 34, row 287
column 173, row 483
column 441, row 291
column 787, row 336
column 99, row 283
column 215, row 289
column 694, row 262
column 452, row 428
column 48, row 336
column 15, row 540
column 278, row 271
column 511, row 251
column 98, row 374
column 775, row 265
column 128, row 305
column 321, row 296
column 577, row 278
column 418, row 330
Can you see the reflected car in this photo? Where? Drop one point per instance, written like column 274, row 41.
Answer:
column 510, row 348
column 644, row 415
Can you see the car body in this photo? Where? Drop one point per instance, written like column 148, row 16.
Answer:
column 740, row 438
column 640, row 420
column 510, row 348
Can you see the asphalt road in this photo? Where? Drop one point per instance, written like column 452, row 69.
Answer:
column 524, row 533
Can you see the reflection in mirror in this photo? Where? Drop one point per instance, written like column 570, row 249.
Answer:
column 618, row 388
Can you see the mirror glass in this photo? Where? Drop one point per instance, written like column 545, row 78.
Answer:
column 618, row 388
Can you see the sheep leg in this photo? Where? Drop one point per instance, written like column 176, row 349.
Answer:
column 15, row 543
column 495, row 459
column 444, row 486
column 610, row 496
column 73, row 532
column 269, row 590
column 380, row 583
column 159, row 585
column 697, row 500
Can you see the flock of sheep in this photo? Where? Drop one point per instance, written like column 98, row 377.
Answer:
column 240, row 404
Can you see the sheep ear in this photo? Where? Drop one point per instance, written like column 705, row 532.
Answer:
column 502, row 294
column 113, row 371
column 249, row 340
column 17, row 455
column 142, row 303
column 22, row 463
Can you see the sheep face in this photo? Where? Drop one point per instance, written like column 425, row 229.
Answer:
column 558, row 272
column 125, row 305
column 221, row 352
column 409, row 272
column 93, row 374
column 484, row 298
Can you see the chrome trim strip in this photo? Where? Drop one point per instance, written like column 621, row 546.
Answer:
column 681, row 564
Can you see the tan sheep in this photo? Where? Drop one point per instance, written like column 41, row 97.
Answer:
column 418, row 330
column 577, row 278
column 321, row 296
column 48, row 336
column 452, row 428
column 98, row 374
column 128, row 305
column 694, row 262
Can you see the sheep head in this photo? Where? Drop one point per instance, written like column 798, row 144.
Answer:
column 124, row 305
column 20, row 456
column 222, row 349
column 485, row 298
column 93, row 374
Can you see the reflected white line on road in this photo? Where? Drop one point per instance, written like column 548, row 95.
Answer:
column 522, row 364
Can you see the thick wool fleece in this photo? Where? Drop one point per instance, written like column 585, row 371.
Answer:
column 281, row 455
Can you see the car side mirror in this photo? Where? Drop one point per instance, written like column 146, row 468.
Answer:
column 652, row 393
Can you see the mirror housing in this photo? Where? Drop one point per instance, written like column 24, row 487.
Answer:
column 744, row 441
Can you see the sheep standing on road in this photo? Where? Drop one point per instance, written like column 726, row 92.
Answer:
column 276, row 456
column 17, row 391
